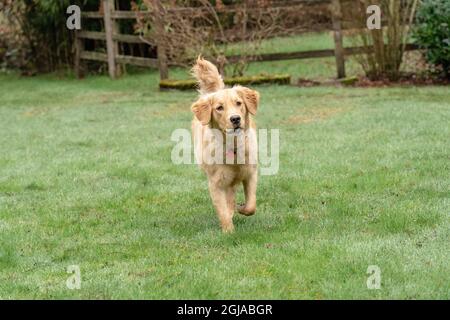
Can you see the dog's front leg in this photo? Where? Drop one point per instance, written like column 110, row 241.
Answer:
column 250, row 183
column 220, row 201
column 231, row 199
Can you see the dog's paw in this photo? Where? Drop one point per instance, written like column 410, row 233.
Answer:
column 242, row 209
column 228, row 228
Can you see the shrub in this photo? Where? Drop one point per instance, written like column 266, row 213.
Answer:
column 383, row 48
column 33, row 34
column 432, row 32
column 13, row 43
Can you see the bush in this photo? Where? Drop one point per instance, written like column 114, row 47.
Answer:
column 432, row 32
column 384, row 48
column 13, row 44
column 33, row 34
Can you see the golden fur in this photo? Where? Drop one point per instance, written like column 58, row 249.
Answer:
column 213, row 111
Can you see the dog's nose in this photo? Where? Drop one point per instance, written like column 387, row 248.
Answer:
column 236, row 120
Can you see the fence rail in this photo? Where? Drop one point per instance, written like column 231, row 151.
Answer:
column 95, row 35
column 296, row 55
column 112, row 38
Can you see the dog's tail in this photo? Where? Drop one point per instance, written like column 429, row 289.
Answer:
column 207, row 75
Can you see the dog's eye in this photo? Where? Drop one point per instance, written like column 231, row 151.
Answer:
column 219, row 108
column 238, row 103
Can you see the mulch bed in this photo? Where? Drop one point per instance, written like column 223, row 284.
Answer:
column 249, row 80
column 404, row 80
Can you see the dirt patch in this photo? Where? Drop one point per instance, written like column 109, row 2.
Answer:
column 104, row 98
column 112, row 96
column 313, row 115
column 34, row 112
column 167, row 111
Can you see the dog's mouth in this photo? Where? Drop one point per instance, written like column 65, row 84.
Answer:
column 235, row 130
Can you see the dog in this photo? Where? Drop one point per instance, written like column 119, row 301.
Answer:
column 227, row 115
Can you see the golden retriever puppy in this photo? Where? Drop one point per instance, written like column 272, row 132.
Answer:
column 226, row 145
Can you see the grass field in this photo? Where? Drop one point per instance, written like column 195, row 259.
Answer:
column 86, row 179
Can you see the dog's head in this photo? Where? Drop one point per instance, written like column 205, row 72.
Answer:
column 227, row 109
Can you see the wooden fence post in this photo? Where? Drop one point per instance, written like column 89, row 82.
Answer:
column 161, row 51
column 336, row 16
column 120, row 68
column 79, row 47
column 108, row 7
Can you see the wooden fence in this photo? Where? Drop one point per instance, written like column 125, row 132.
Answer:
column 112, row 38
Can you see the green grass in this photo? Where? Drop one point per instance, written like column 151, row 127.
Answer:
column 86, row 179
column 303, row 42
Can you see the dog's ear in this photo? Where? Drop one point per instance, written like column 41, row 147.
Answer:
column 202, row 110
column 250, row 97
